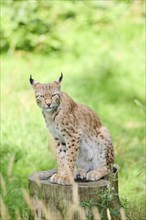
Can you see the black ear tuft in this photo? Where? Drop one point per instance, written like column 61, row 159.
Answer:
column 31, row 80
column 61, row 77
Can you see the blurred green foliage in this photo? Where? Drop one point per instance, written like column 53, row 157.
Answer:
column 47, row 26
column 100, row 47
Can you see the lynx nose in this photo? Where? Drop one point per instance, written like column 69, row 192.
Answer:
column 48, row 104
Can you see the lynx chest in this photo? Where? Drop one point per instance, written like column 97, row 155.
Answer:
column 53, row 127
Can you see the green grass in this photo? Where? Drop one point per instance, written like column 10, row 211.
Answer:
column 103, row 68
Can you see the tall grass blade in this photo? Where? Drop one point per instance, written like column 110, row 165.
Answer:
column 3, row 185
column 122, row 213
column 3, row 210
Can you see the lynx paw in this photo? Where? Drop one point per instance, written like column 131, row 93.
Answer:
column 63, row 180
column 80, row 174
column 93, row 175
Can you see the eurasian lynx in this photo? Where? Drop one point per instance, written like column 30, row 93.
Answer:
column 84, row 146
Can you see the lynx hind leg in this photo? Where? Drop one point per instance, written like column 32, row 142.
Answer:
column 105, row 141
column 98, row 173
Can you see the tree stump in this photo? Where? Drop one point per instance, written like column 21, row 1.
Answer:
column 53, row 201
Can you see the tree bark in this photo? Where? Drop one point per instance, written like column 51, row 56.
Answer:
column 54, row 201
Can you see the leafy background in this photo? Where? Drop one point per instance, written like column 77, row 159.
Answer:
column 99, row 46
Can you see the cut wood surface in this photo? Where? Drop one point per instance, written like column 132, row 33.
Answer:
column 54, row 201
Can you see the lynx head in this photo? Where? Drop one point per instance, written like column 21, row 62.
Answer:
column 47, row 95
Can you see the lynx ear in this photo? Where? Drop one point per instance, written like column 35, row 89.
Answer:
column 32, row 81
column 60, row 78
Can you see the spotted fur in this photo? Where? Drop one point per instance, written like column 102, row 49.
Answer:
column 83, row 145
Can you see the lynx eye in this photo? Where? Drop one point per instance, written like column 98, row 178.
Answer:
column 53, row 95
column 39, row 96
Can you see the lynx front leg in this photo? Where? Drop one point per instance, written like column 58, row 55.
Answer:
column 71, row 154
column 61, row 177
column 67, row 177
column 66, row 157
